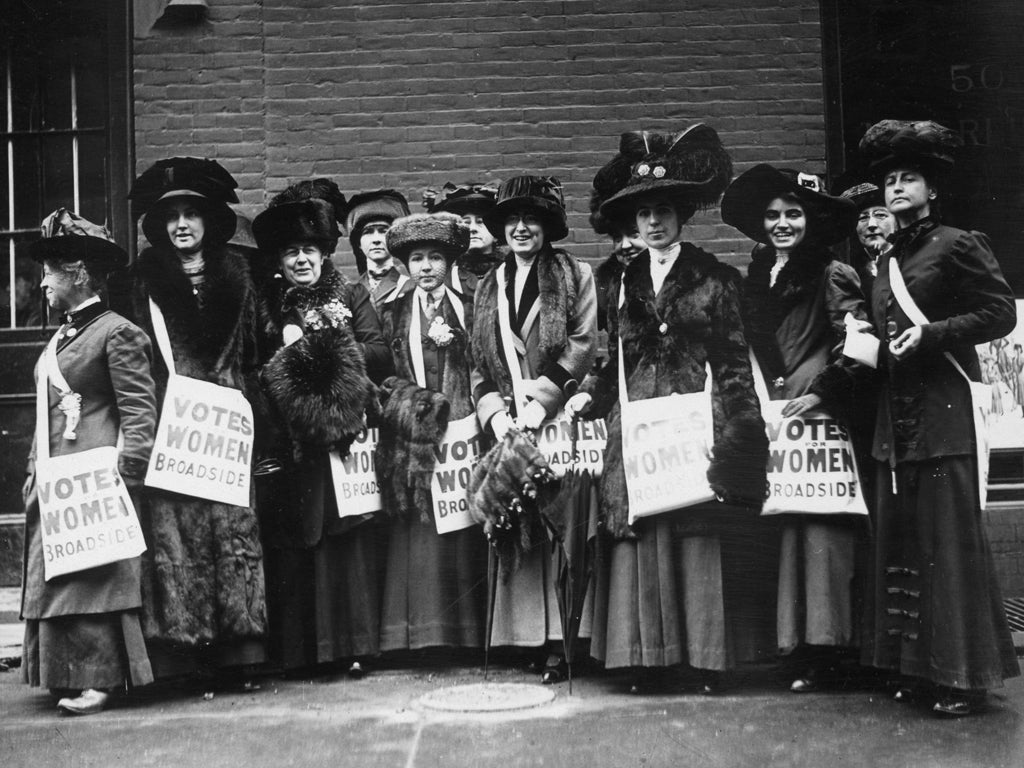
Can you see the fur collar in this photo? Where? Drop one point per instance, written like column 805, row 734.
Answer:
column 208, row 329
column 558, row 274
column 279, row 299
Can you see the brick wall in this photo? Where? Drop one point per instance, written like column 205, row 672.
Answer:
column 411, row 94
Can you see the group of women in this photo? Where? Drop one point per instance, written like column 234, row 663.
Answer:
column 471, row 315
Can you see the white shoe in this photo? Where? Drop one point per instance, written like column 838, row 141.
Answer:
column 88, row 702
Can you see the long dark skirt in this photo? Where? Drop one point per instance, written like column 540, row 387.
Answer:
column 102, row 650
column 434, row 587
column 935, row 608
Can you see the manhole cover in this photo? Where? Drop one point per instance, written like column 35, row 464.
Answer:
column 487, row 697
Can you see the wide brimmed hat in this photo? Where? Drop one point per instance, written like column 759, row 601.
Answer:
column 208, row 186
column 691, row 167
column 829, row 219
column 922, row 144
column 537, row 195
column 864, row 195
column 321, row 189
column 69, row 237
column 304, row 221
column 444, row 230
column 471, row 197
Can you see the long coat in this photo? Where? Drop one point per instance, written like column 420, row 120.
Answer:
column 935, row 609
column 106, row 361
column 203, row 573
column 661, row 597
column 796, row 328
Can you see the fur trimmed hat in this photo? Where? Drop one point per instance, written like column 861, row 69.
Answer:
column 865, row 195
column 322, row 189
column 206, row 183
column 537, row 195
column 829, row 219
column 379, row 205
column 67, row 236
column 691, row 166
column 304, row 221
column 443, row 229
column 922, row 144
column 460, row 199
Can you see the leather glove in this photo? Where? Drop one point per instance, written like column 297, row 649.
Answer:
column 578, row 405
column 531, row 416
column 500, row 424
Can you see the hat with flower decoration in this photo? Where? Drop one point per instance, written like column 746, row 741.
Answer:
column 922, row 144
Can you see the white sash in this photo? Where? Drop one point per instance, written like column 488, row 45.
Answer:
column 402, row 280
column 416, row 328
column 512, row 345
column 456, row 278
column 981, row 394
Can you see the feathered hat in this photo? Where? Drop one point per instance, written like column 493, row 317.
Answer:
column 66, row 236
column 445, row 230
column 608, row 181
column 304, row 221
column 830, row 219
column 470, row 197
column 691, row 166
column 379, row 205
column 540, row 196
column 322, row 189
column 922, row 144
column 205, row 182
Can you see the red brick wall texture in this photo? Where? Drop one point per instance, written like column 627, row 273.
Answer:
column 411, row 94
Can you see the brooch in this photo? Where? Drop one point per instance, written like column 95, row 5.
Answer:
column 71, row 406
column 663, row 329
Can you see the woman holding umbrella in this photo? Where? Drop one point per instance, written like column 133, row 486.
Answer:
column 660, row 601
column 795, row 299
column 551, row 322
column 936, row 615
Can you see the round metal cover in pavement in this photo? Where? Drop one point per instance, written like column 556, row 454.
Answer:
column 487, row 697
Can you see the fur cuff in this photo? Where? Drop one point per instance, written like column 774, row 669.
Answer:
column 739, row 466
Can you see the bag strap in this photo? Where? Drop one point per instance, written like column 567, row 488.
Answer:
column 43, row 402
column 163, row 340
column 911, row 310
column 508, row 345
column 456, row 278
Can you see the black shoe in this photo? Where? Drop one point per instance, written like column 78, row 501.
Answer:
column 959, row 703
column 710, row 682
column 555, row 670
column 356, row 671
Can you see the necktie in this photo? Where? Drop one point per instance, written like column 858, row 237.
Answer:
column 431, row 307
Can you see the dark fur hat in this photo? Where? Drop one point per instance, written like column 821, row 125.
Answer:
column 460, row 199
column 691, row 166
column 311, row 220
column 319, row 385
column 322, row 189
column 206, row 183
column 442, row 229
column 829, row 219
column 608, row 181
column 922, row 144
column 413, row 423
column 537, row 195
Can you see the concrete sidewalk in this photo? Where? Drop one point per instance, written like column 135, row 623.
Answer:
column 379, row 721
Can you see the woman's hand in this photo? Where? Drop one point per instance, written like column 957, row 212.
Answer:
column 290, row 334
column 800, row 405
column 500, row 425
column 578, row 405
column 906, row 343
column 531, row 416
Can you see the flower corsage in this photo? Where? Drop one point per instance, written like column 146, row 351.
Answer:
column 334, row 314
column 440, row 332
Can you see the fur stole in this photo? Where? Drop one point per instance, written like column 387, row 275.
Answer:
column 213, row 334
column 558, row 278
column 765, row 308
column 280, row 302
column 412, row 424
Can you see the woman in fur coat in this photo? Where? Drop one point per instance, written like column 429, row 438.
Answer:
column 321, row 351
column 553, row 319
column 795, row 298
column 203, row 591
column 433, row 585
column 660, row 598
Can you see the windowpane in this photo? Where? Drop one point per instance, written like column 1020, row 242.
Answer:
column 55, row 92
column 92, row 176
column 57, row 174
column 28, row 189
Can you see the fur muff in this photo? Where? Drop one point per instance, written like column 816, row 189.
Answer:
column 558, row 275
column 320, row 387
column 413, row 421
column 508, row 487
column 738, row 471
